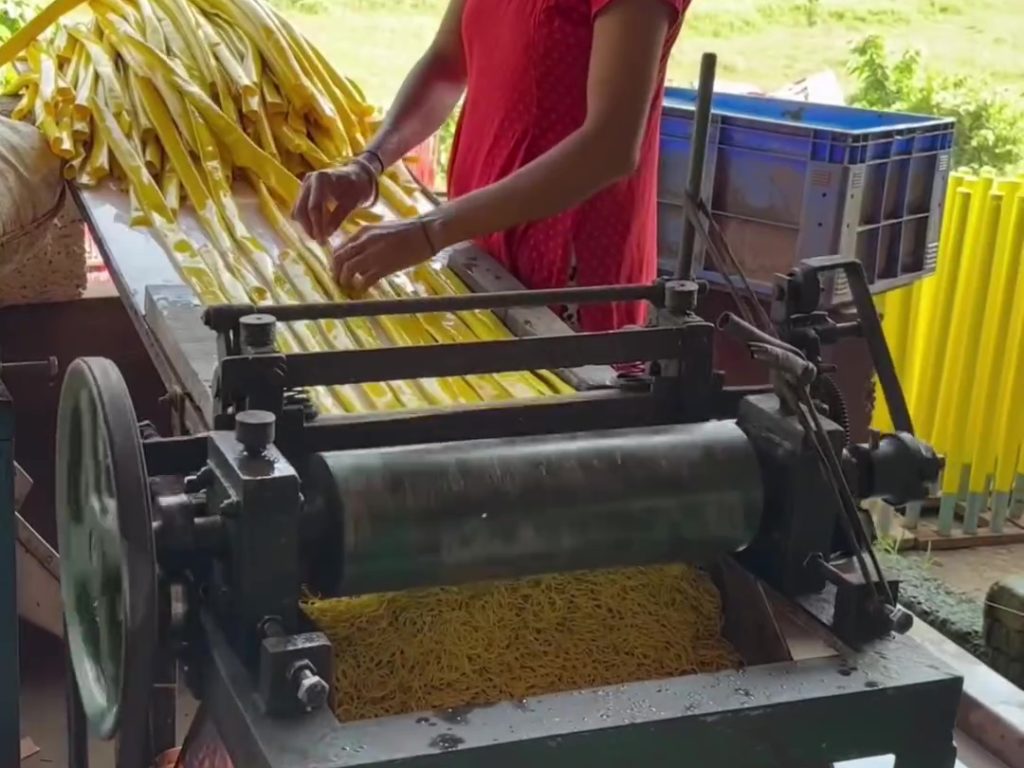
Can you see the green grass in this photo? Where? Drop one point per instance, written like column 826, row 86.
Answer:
column 768, row 43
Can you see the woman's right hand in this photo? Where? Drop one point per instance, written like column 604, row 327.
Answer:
column 329, row 196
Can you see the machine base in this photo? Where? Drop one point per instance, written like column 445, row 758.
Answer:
column 891, row 698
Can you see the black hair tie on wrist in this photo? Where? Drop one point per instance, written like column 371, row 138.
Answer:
column 377, row 158
column 426, row 236
column 365, row 164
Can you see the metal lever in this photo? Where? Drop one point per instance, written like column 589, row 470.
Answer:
column 745, row 333
column 687, row 267
column 796, row 374
column 793, row 367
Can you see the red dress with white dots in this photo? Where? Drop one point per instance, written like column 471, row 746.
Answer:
column 527, row 63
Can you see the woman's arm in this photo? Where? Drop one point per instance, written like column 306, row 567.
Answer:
column 427, row 96
column 429, row 93
column 629, row 38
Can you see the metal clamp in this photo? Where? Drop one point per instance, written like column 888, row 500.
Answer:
column 292, row 669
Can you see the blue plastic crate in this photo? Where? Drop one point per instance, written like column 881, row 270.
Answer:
column 789, row 180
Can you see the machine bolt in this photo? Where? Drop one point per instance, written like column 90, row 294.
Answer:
column 902, row 620
column 199, row 481
column 257, row 334
column 229, row 508
column 255, row 431
column 681, row 296
column 312, row 691
column 272, row 626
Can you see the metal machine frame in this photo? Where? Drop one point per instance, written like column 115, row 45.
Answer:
column 884, row 700
column 876, row 695
column 10, row 736
column 871, row 694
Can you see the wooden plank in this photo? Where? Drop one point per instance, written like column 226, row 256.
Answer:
column 28, row 748
column 925, row 535
column 39, row 598
column 928, row 537
column 22, row 485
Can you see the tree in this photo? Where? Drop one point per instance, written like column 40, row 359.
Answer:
column 989, row 121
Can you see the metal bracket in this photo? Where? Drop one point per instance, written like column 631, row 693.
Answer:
column 800, row 294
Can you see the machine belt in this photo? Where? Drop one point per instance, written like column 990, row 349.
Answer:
column 429, row 515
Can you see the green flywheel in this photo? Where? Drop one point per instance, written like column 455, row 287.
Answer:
column 107, row 566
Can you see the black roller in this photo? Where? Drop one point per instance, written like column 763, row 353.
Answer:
column 451, row 513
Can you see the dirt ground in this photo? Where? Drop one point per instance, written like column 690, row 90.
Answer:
column 973, row 571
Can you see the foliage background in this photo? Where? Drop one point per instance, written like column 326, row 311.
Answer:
column 936, row 57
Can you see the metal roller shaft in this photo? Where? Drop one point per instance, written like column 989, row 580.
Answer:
column 430, row 515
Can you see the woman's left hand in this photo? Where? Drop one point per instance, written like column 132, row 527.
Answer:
column 379, row 250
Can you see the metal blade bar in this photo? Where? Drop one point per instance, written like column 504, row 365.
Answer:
column 310, row 369
column 609, row 409
column 223, row 318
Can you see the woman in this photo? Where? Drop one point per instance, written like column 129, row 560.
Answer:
column 554, row 166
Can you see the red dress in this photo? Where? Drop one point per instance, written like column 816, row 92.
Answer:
column 527, row 63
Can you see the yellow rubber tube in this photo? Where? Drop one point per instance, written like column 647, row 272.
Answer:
column 956, row 390
column 966, row 324
column 997, row 303
column 939, row 308
column 953, row 306
column 1010, row 414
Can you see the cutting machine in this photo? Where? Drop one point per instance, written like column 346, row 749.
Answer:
column 194, row 550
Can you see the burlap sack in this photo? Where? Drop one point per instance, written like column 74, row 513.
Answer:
column 31, row 194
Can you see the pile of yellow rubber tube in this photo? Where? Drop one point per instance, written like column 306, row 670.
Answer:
column 957, row 340
column 191, row 101
column 185, row 100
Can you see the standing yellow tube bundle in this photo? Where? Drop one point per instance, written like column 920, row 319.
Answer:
column 1009, row 415
column 998, row 300
column 967, row 321
column 189, row 101
column 960, row 356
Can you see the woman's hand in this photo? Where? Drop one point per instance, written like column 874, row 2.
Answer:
column 329, row 196
column 379, row 250
column 427, row 97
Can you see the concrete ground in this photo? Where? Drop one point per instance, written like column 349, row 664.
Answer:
column 42, row 705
